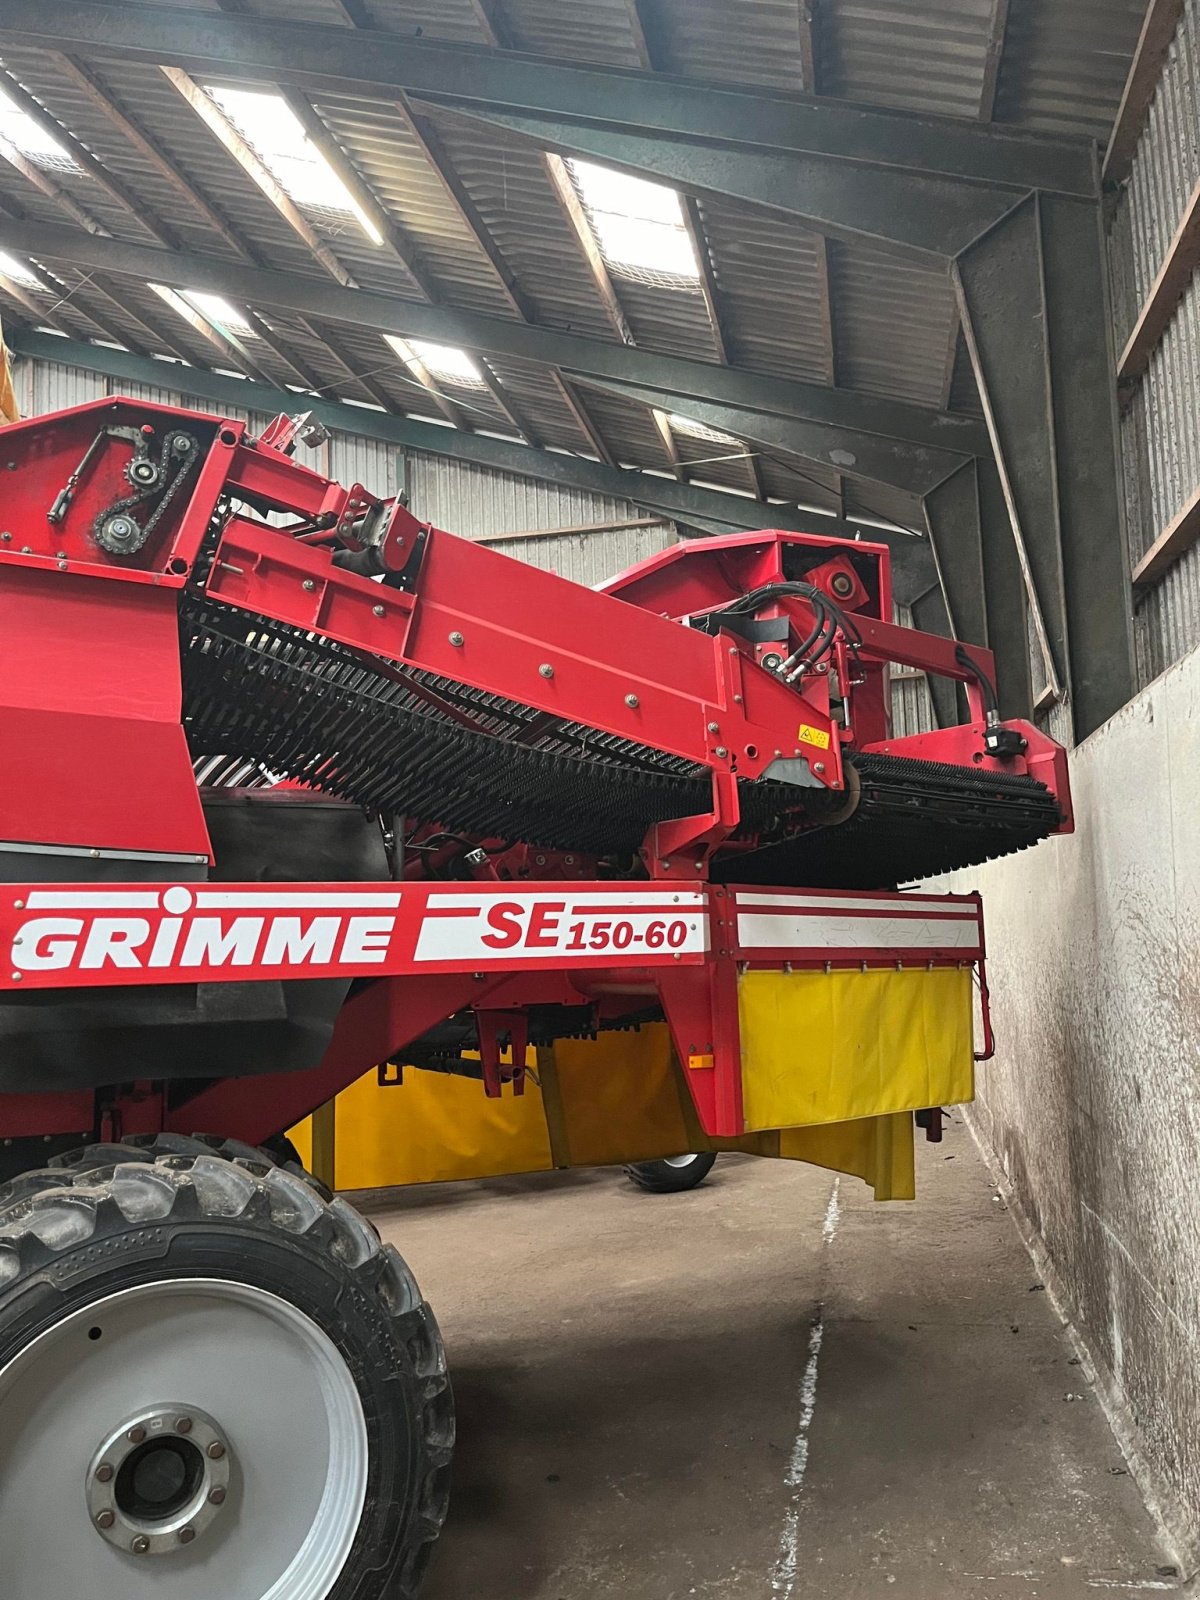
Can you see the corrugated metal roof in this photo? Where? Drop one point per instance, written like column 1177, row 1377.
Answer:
column 789, row 304
column 918, row 55
column 892, row 322
column 1065, row 63
column 732, row 41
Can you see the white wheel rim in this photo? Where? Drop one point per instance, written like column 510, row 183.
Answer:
column 275, row 1385
column 680, row 1161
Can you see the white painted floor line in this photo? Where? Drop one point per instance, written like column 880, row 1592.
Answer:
column 1138, row 1585
column 833, row 1213
column 783, row 1576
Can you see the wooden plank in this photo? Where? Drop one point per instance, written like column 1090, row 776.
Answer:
column 581, row 227
column 1181, row 533
column 583, row 527
column 1158, row 30
column 806, row 24
column 1174, row 276
column 997, row 27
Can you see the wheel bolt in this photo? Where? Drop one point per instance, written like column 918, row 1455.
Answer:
column 105, row 1519
column 216, row 1450
column 217, row 1497
column 140, row 1545
column 183, row 1425
column 104, row 1474
column 136, row 1435
column 186, row 1535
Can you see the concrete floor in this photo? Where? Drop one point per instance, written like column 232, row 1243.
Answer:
column 771, row 1388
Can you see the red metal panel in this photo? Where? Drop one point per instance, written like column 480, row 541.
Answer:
column 374, row 1024
column 527, row 635
column 41, row 1116
column 90, row 739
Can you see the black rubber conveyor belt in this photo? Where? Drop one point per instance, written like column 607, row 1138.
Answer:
column 306, row 709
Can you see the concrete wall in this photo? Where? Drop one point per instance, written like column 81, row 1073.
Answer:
column 1093, row 1102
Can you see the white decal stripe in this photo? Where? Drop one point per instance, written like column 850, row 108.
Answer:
column 458, row 939
column 854, row 933
column 899, row 902
column 574, row 899
column 92, row 899
column 213, row 900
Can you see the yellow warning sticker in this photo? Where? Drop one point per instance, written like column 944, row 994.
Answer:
column 809, row 735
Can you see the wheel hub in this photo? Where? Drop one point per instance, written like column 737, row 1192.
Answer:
column 100, row 1472
column 159, row 1481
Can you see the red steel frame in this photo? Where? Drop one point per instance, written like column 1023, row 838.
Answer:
column 92, row 684
column 435, row 948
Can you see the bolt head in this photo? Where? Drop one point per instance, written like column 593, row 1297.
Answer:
column 546, row 670
column 104, row 1473
column 309, row 585
column 721, row 752
column 714, row 727
column 140, row 1545
column 183, row 1425
column 217, row 1497
column 136, row 1434
column 186, row 1535
column 216, row 1450
column 456, row 638
column 631, row 700
column 379, row 611
column 105, row 1519
column 819, row 767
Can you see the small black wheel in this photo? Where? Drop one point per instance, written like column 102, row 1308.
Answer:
column 281, row 1149
column 671, row 1175
column 213, row 1381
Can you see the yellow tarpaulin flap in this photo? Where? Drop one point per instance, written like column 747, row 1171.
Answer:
column 879, row 1150
column 837, row 1062
column 834, row 1047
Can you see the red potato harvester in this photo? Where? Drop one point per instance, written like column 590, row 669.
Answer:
column 298, row 785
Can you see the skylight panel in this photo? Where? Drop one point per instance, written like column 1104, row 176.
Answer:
column 207, row 313
column 18, row 272
column 441, row 361
column 638, row 225
column 219, row 312
column 19, row 129
column 701, row 430
column 268, row 123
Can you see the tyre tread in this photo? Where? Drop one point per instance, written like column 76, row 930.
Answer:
column 100, row 1189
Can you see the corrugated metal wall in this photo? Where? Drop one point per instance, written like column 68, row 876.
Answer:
column 1160, row 430
column 912, row 704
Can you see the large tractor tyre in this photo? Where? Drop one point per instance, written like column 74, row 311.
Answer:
column 213, row 1382
column 671, row 1175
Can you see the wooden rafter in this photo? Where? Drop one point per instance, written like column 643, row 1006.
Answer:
column 88, row 163
column 1158, row 30
column 806, row 25
column 997, row 28
column 1170, row 283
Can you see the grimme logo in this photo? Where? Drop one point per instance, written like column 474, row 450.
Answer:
column 181, row 928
